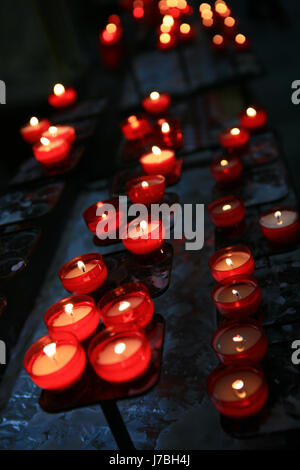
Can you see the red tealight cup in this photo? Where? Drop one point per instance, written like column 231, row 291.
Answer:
column 166, row 41
column 226, row 169
column 111, row 35
column 55, row 363
column 238, row 391
column 104, row 218
column 83, row 274
column 77, row 315
column 146, row 189
column 241, row 43
column 61, row 96
column 221, row 10
column 253, row 118
column 237, row 298
column 158, row 161
column 280, row 225
column 187, row 33
column 143, row 237
column 230, row 25
column 60, row 132
column 128, row 304
column 218, row 43
column 234, row 138
column 32, row 132
column 51, row 153
column 170, row 133
column 120, row 355
column 135, row 127
column 156, row 103
column 227, row 211
column 240, row 343
column 231, row 261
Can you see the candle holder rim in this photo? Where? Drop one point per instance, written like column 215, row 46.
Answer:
column 228, row 199
column 222, row 251
column 138, row 179
column 57, row 307
column 231, row 324
column 90, row 218
column 280, row 208
column 232, row 158
column 123, row 289
column 231, row 281
column 87, row 257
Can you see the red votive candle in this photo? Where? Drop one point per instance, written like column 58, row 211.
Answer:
column 104, row 218
column 83, row 274
column 240, row 343
column 241, row 43
column 77, row 315
column 218, row 42
column 51, row 153
column 158, row 161
column 127, row 304
column 222, row 10
column 187, row 33
column 55, row 363
column 120, row 355
column 237, row 391
column 141, row 237
column 166, row 41
column 227, row 211
column 237, row 298
column 170, row 132
column 226, row 169
column 60, row 132
column 234, row 138
column 253, row 118
column 135, row 127
column 156, row 103
column 61, row 96
column 32, row 132
column 231, row 261
column 230, row 26
column 111, row 34
column 146, row 189
column 280, row 224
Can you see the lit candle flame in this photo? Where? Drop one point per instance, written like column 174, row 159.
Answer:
column 124, row 305
column 52, row 130
column 238, row 386
column 145, row 184
column 238, row 338
column 154, row 95
column 133, row 121
column 229, row 262
column 229, row 21
column 165, row 38
column 111, row 28
column 224, row 162
column 227, row 207
column 221, row 8
column 156, row 150
column 251, row 112
column 164, row 28
column 120, row 348
column 240, row 38
column 185, row 28
column 218, row 39
column 168, row 20
column 44, row 141
column 58, row 89
column 239, row 341
column 143, row 225
column 235, row 131
column 206, row 14
column 277, row 214
column 69, row 309
column 81, row 266
column 204, row 6
column 165, row 128
column 50, row 350
column 34, row 121
column 236, row 293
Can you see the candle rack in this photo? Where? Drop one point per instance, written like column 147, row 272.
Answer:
column 91, row 390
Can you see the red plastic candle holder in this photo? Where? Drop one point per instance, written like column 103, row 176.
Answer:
column 280, row 225
column 227, row 211
column 62, row 97
column 111, row 35
column 238, row 391
column 170, row 133
column 234, row 138
column 141, row 237
column 146, row 189
column 253, row 118
column 55, row 362
column 226, row 169
column 77, row 315
column 120, row 355
column 221, row 10
column 230, row 26
column 51, row 153
column 156, row 103
column 135, row 127
column 237, row 298
column 187, row 33
column 231, row 261
column 158, row 161
column 242, row 43
column 240, row 343
column 128, row 304
column 83, row 274
column 60, row 132
column 218, row 43
column 32, row 132
column 96, row 215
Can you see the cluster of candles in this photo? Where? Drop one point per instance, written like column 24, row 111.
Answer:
column 120, row 352
column 172, row 30
column 223, row 25
column 51, row 144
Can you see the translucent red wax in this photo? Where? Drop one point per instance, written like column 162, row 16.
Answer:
column 234, row 138
column 226, row 169
column 66, row 98
column 32, row 133
column 51, row 153
column 156, row 103
column 253, row 118
column 143, row 237
column 146, row 189
column 227, row 211
column 232, row 261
